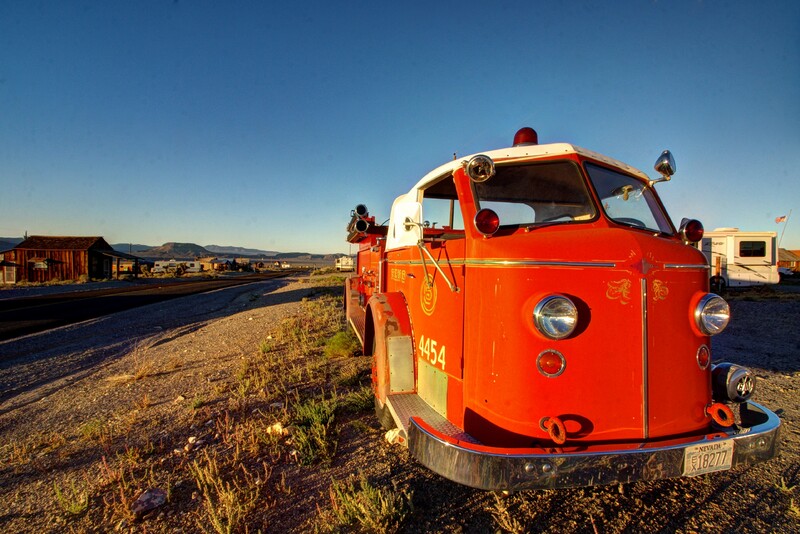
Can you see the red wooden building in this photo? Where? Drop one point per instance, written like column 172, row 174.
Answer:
column 47, row 258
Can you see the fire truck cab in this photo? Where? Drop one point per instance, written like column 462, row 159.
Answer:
column 536, row 321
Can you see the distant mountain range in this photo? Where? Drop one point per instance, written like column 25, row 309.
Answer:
column 185, row 251
column 170, row 251
column 130, row 248
column 239, row 251
column 7, row 243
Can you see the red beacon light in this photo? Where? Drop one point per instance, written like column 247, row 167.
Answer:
column 526, row 136
column 487, row 222
column 692, row 230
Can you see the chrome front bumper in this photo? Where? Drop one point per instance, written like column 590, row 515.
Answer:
column 754, row 440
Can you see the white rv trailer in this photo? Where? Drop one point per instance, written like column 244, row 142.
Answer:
column 171, row 266
column 740, row 259
column 345, row 263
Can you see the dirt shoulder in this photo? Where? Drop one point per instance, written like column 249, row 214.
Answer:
column 236, row 411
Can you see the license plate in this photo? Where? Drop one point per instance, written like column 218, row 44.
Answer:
column 707, row 458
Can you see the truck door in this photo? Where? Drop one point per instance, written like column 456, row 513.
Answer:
column 429, row 269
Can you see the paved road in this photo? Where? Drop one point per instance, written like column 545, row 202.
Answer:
column 22, row 316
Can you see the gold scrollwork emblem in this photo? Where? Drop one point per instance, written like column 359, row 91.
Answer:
column 619, row 290
column 427, row 295
column 660, row 290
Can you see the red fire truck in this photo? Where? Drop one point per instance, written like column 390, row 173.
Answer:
column 536, row 321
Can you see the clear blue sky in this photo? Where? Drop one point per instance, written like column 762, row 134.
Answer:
column 262, row 124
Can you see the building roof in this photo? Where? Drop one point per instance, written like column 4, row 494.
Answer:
column 43, row 242
column 788, row 255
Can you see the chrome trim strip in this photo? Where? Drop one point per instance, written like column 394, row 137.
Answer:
column 686, row 266
column 489, row 468
column 645, row 389
column 513, row 263
column 538, row 263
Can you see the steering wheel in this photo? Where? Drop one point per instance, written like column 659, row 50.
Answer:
column 631, row 221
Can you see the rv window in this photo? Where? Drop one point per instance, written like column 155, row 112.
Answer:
column 752, row 249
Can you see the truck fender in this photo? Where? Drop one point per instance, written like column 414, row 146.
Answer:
column 389, row 339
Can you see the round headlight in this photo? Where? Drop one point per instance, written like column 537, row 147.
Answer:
column 555, row 317
column 712, row 314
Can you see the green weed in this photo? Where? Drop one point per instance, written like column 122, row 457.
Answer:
column 371, row 509
column 226, row 503
column 313, row 432
column 343, row 344
column 73, row 501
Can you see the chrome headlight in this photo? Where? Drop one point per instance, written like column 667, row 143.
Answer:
column 712, row 314
column 555, row 317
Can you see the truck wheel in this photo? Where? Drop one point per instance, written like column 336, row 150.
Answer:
column 380, row 367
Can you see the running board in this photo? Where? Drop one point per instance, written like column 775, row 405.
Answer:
column 404, row 406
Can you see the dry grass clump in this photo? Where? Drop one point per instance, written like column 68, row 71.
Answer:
column 361, row 506
column 277, row 417
column 227, row 497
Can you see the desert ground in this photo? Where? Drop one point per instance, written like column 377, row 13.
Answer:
column 249, row 410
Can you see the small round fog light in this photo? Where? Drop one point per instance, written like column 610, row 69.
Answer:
column 551, row 363
column 703, row 357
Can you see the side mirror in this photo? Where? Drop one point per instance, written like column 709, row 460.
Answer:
column 665, row 166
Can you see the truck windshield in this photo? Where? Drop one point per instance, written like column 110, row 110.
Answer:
column 541, row 193
column 627, row 200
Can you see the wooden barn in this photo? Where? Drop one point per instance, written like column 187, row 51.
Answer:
column 48, row 258
column 789, row 259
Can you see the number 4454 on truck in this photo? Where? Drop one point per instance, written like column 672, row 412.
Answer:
column 536, row 320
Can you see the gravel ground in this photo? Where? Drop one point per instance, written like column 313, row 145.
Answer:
column 53, row 383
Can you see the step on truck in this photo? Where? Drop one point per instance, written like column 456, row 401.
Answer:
column 536, row 321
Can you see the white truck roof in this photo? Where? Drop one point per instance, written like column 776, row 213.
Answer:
column 527, row 152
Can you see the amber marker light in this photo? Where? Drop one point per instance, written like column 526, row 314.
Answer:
column 551, row 363
column 703, row 357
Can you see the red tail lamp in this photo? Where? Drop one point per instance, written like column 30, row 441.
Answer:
column 487, row 222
